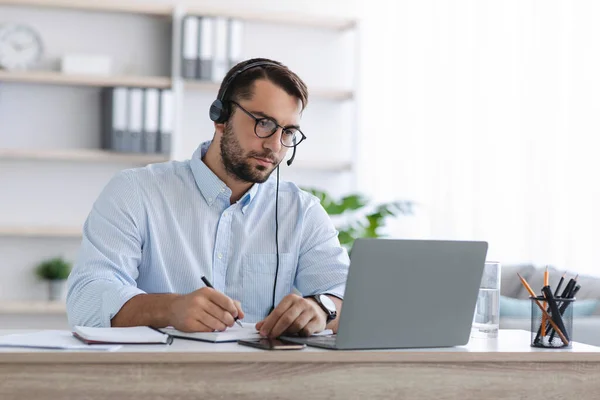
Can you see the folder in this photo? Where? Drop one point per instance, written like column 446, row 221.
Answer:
column 205, row 48
column 235, row 35
column 220, row 62
column 189, row 50
column 129, row 335
column 166, row 121
column 114, row 117
column 133, row 137
column 151, row 109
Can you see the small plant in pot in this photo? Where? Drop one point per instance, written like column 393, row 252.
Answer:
column 55, row 271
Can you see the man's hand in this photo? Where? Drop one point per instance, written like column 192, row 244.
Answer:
column 204, row 310
column 293, row 314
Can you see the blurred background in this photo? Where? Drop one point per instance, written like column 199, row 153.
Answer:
column 480, row 114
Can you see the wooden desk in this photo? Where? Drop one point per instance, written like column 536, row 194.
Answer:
column 506, row 368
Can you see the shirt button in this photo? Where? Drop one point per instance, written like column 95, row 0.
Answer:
column 222, row 190
column 209, row 199
column 220, row 255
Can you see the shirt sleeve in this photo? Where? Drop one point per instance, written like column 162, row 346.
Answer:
column 105, row 273
column 322, row 263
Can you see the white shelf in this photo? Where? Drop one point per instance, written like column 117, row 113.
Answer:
column 323, row 166
column 158, row 9
column 58, row 78
column 80, row 155
column 305, row 20
column 326, row 94
column 134, row 7
column 40, row 231
column 32, row 307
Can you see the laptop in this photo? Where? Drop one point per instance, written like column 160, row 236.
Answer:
column 407, row 294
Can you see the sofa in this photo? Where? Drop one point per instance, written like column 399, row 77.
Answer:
column 515, row 308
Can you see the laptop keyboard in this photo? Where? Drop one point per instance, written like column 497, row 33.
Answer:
column 328, row 340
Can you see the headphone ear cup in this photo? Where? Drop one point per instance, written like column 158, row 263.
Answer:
column 218, row 112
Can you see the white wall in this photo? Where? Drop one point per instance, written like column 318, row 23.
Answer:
column 44, row 193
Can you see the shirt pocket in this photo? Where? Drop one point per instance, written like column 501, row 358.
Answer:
column 258, row 279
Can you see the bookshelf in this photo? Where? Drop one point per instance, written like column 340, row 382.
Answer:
column 71, row 166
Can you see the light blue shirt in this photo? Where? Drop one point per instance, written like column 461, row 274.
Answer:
column 160, row 228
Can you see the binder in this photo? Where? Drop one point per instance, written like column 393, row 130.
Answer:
column 220, row 62
column 151, row 110
column 133, row 136
column 166, row 121
column 235, row 36
column 189, row 51
column 114, row 117
column 205, row 48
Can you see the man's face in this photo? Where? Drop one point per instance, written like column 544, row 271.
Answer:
column 246, row 156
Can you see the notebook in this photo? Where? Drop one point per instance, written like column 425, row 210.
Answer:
column 51, row 339
column 129, row 335
column 233, row 334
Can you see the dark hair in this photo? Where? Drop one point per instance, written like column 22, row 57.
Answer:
column 279, row 74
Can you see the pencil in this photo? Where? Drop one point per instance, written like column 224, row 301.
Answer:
column 544, row 313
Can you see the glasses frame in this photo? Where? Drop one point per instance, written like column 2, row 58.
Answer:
column 277, row 126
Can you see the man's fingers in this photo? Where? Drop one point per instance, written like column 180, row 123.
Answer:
column 220, row 314
column 286, row 320
column 213, row 323
column 272, row 318
column 223, row 301
column 193, row 325
column 310, row 328
column 303, row 319
column 238, row 305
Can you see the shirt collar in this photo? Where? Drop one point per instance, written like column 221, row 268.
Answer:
column 210, row 185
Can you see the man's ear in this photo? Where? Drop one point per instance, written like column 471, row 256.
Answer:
column 219, row 128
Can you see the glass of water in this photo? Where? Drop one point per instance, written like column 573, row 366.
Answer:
column 486, row 320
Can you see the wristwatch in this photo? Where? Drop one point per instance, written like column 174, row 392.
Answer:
column 327, row 305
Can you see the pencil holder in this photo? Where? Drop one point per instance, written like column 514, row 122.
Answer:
column 545, row 335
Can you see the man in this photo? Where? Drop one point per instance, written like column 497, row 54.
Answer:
column 155, row 232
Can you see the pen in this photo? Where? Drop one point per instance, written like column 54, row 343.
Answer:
column 555, row 311
column 560, row 282
column 208, row 284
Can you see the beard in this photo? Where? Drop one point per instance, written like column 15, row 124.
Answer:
column 237, row 164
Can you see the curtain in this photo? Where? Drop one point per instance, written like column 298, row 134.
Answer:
column 485, row 113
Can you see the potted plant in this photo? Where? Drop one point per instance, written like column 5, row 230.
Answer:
column 55, row 271
column 355, row 217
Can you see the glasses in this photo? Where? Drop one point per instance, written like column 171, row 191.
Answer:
column 265, row 127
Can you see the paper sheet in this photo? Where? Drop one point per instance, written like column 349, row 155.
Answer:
column 51, row 339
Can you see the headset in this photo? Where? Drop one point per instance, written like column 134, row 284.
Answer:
column 220, row 111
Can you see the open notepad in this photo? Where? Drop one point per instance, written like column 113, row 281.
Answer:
column 233, row 334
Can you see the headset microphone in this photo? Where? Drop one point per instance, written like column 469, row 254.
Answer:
column 291, row 160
